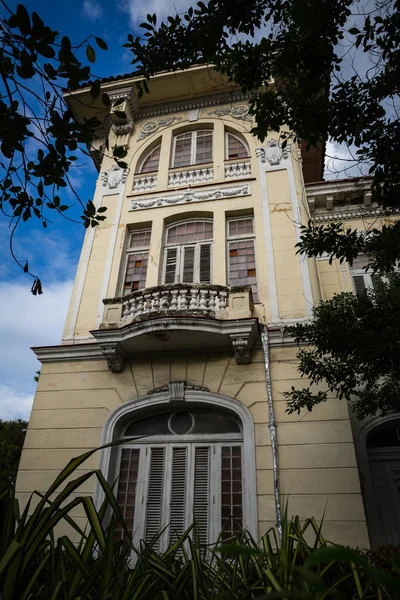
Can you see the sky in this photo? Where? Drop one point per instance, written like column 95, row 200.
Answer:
column 27, row 320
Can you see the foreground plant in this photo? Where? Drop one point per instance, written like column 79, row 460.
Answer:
column 96, row 564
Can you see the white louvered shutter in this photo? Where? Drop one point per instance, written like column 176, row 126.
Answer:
column 188, row 264
column 205, row 263
column 155, row 495
column 201, row 491
column 170, row 265
column 359, row 283
column 178, row 501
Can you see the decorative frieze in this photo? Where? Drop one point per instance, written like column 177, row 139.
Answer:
column 190, row 196
column 170, row 299
column 144, row 183
column 240, row 112
column 187, row 177
column 236, row 170
column 114, row 177
column 153, row 126
column 351, row 214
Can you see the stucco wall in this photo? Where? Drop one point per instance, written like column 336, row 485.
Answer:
column 317, row 462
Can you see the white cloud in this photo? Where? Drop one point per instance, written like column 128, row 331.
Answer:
column 341, row 161
column 138, row 9
column 14, row 405
column 91, row 10
column 25, row 321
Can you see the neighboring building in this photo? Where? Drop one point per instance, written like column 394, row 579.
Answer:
column 163, row 335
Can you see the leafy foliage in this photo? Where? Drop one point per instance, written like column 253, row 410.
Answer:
column 353, row 348
column 288, row 57
column 39, row 137
column 96, row 564
column 12, row 435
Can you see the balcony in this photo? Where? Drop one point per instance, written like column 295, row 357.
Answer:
column 177, row 317
column 190, row 176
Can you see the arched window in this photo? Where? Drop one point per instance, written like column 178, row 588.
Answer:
column 192, row 147
column 187, row 257
column 235, row 147
column 186, row 466
column 150, row 162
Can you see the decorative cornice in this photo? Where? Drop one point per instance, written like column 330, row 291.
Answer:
column 180, row 106
column 240, row 112
column 345, row 215
column 68, row 352
column 190, row 195
column 153, row 126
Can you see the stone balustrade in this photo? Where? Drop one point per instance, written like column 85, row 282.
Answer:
column 195, row 298
column 236, row 170
column 187, row 177
column 144, row 183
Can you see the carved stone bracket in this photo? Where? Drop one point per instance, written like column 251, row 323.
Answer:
column 272, row 153
column 115, row 360
column 176, row 391
column 114, row 177
column 241, row 350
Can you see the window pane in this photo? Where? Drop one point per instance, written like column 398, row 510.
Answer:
column 242, row 270
column 205, row 263
column 203, row 146
column 126, row 493
column 183, row 148
column 170, row 266
column 151, row 162
column 231, row 491
column 191, row 231
column 359, row 283
column 136, row 271
column 236, row 148
column 140, row 239
column 238, row 227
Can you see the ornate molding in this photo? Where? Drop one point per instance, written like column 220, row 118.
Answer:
column 351, row 214
column 189, row 176
column 194, row 103
column 241, row 350
column 176, row 391
column 114, row 358
column 114, row 177
column 153, row 126
column 272, row 153
column 144, row 183
column 124, row 128
column 237, row 170
column 240, row 112
column 190, row 195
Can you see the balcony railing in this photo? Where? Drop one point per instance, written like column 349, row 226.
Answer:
column 192, row 300
column 237, row 170
column 170, row 299
column 190, row 176
column 144, row 183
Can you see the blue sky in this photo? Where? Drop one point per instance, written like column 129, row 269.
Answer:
column 53, row 254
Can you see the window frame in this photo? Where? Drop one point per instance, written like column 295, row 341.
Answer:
column 243, row 237
column 180, row 254
column 193, row 148
column 228, row 133
column 129, row 251
column 139, row 170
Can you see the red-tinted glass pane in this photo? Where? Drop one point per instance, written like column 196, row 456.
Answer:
column 242, row 269
column 190, row 232
column 183, row 149
column 140, row 239
column 136, row 271
column 150, row 163
column 231, row 491
column 203, row 146
column 126, row 493
column 236, row 148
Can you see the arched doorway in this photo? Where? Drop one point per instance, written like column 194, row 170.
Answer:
column 383, row 451
column 182, row 461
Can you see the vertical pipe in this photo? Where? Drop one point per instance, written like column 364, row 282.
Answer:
column 272, row 429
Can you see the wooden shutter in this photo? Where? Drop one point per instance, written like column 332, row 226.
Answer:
column 359, row 283
column 170, row 265
column 376, row 279
column 205, row 263
column 188, row 264
column 201, row 491
column 155, row 495
column 178, row 493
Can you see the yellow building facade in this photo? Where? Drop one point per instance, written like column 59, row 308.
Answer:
column 173, row 338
